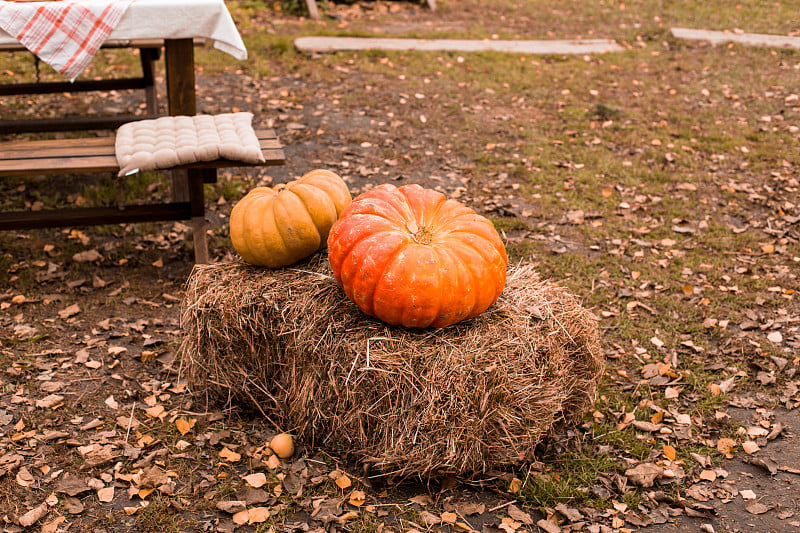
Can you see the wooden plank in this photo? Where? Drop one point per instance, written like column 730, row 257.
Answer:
column 748, row 39
column 557, row 47
column 91, row 216
column 89, row 146
column 92, row 145
column 21, row 158
column 311, row 7
column 68, row 123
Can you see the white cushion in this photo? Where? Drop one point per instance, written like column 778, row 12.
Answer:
column 167, row 142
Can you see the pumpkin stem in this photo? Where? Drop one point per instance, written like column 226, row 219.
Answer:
column 424, row 235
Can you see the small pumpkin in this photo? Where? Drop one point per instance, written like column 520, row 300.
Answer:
column 412, row 257
column 278, row 226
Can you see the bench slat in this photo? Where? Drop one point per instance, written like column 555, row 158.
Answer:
column 97, row 154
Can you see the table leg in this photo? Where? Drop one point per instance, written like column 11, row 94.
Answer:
column 182, row 100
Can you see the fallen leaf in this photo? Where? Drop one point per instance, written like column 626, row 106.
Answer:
column 87, row 256
column 342, row 481
column 52, row 526
column 357, row 498
column 241, row 517
column 33, row 516
column 429, row 518
column 449, row 518
column 230, row 455
column 754, row 507
column 549, row 526
column 519, row 515
column 256, row 480
column 750, row 447
column 726, row 446
column 256, row 515
column 644, row 474
column 232, row 506
column 775, row 337
column 515, row 485
column 50, row 401
column 747, row 494
column 106, row 494
column 185, row 426
column 67, row 312
column 669, row 452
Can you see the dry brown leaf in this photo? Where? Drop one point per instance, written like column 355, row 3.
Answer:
column 106, row 494
column 257, row 480
column 549, row 526
column 519, row 515
column 754, row 507
column 33, row 516
column 449, row 518
column 229, row 455
column 51, row 401
column 726, row 446
column 515, row 485
column 232, row 506
column 52, row 526
column 644, row 474
column 750, row 447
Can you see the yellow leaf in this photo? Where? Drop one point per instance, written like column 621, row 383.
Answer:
column 515, row 485
column 657, row 417
column 184, row 425
column 343, row 481
column 669, row 452
column 357, row 498
column 229, row 455
column 688, row 290
column 144, row 493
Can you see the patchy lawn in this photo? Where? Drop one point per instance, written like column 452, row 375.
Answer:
column 659, row 184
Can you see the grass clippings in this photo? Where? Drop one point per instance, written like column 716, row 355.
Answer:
column 460, row 400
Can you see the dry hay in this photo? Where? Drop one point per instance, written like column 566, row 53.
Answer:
column 465, row 399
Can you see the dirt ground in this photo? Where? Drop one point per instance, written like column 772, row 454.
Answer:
column 98, row 431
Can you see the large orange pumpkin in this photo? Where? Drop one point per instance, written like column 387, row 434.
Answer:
column 412, row 257
column 278, row 226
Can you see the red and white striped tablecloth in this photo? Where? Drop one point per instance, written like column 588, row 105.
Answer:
column 65, row 34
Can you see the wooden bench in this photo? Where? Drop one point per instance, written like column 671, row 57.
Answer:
column 97, row 155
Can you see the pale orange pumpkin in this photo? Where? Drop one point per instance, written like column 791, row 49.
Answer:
column 410, row 256
column 278, row 226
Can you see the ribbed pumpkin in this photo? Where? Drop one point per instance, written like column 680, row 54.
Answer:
column 412, row 257
column 278, row 226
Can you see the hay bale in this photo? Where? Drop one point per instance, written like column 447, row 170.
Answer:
column 465, row 399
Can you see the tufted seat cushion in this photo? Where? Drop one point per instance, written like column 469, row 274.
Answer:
column 167, row 142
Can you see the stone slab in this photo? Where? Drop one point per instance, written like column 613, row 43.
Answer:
column 749, row 39
column 558, row 47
